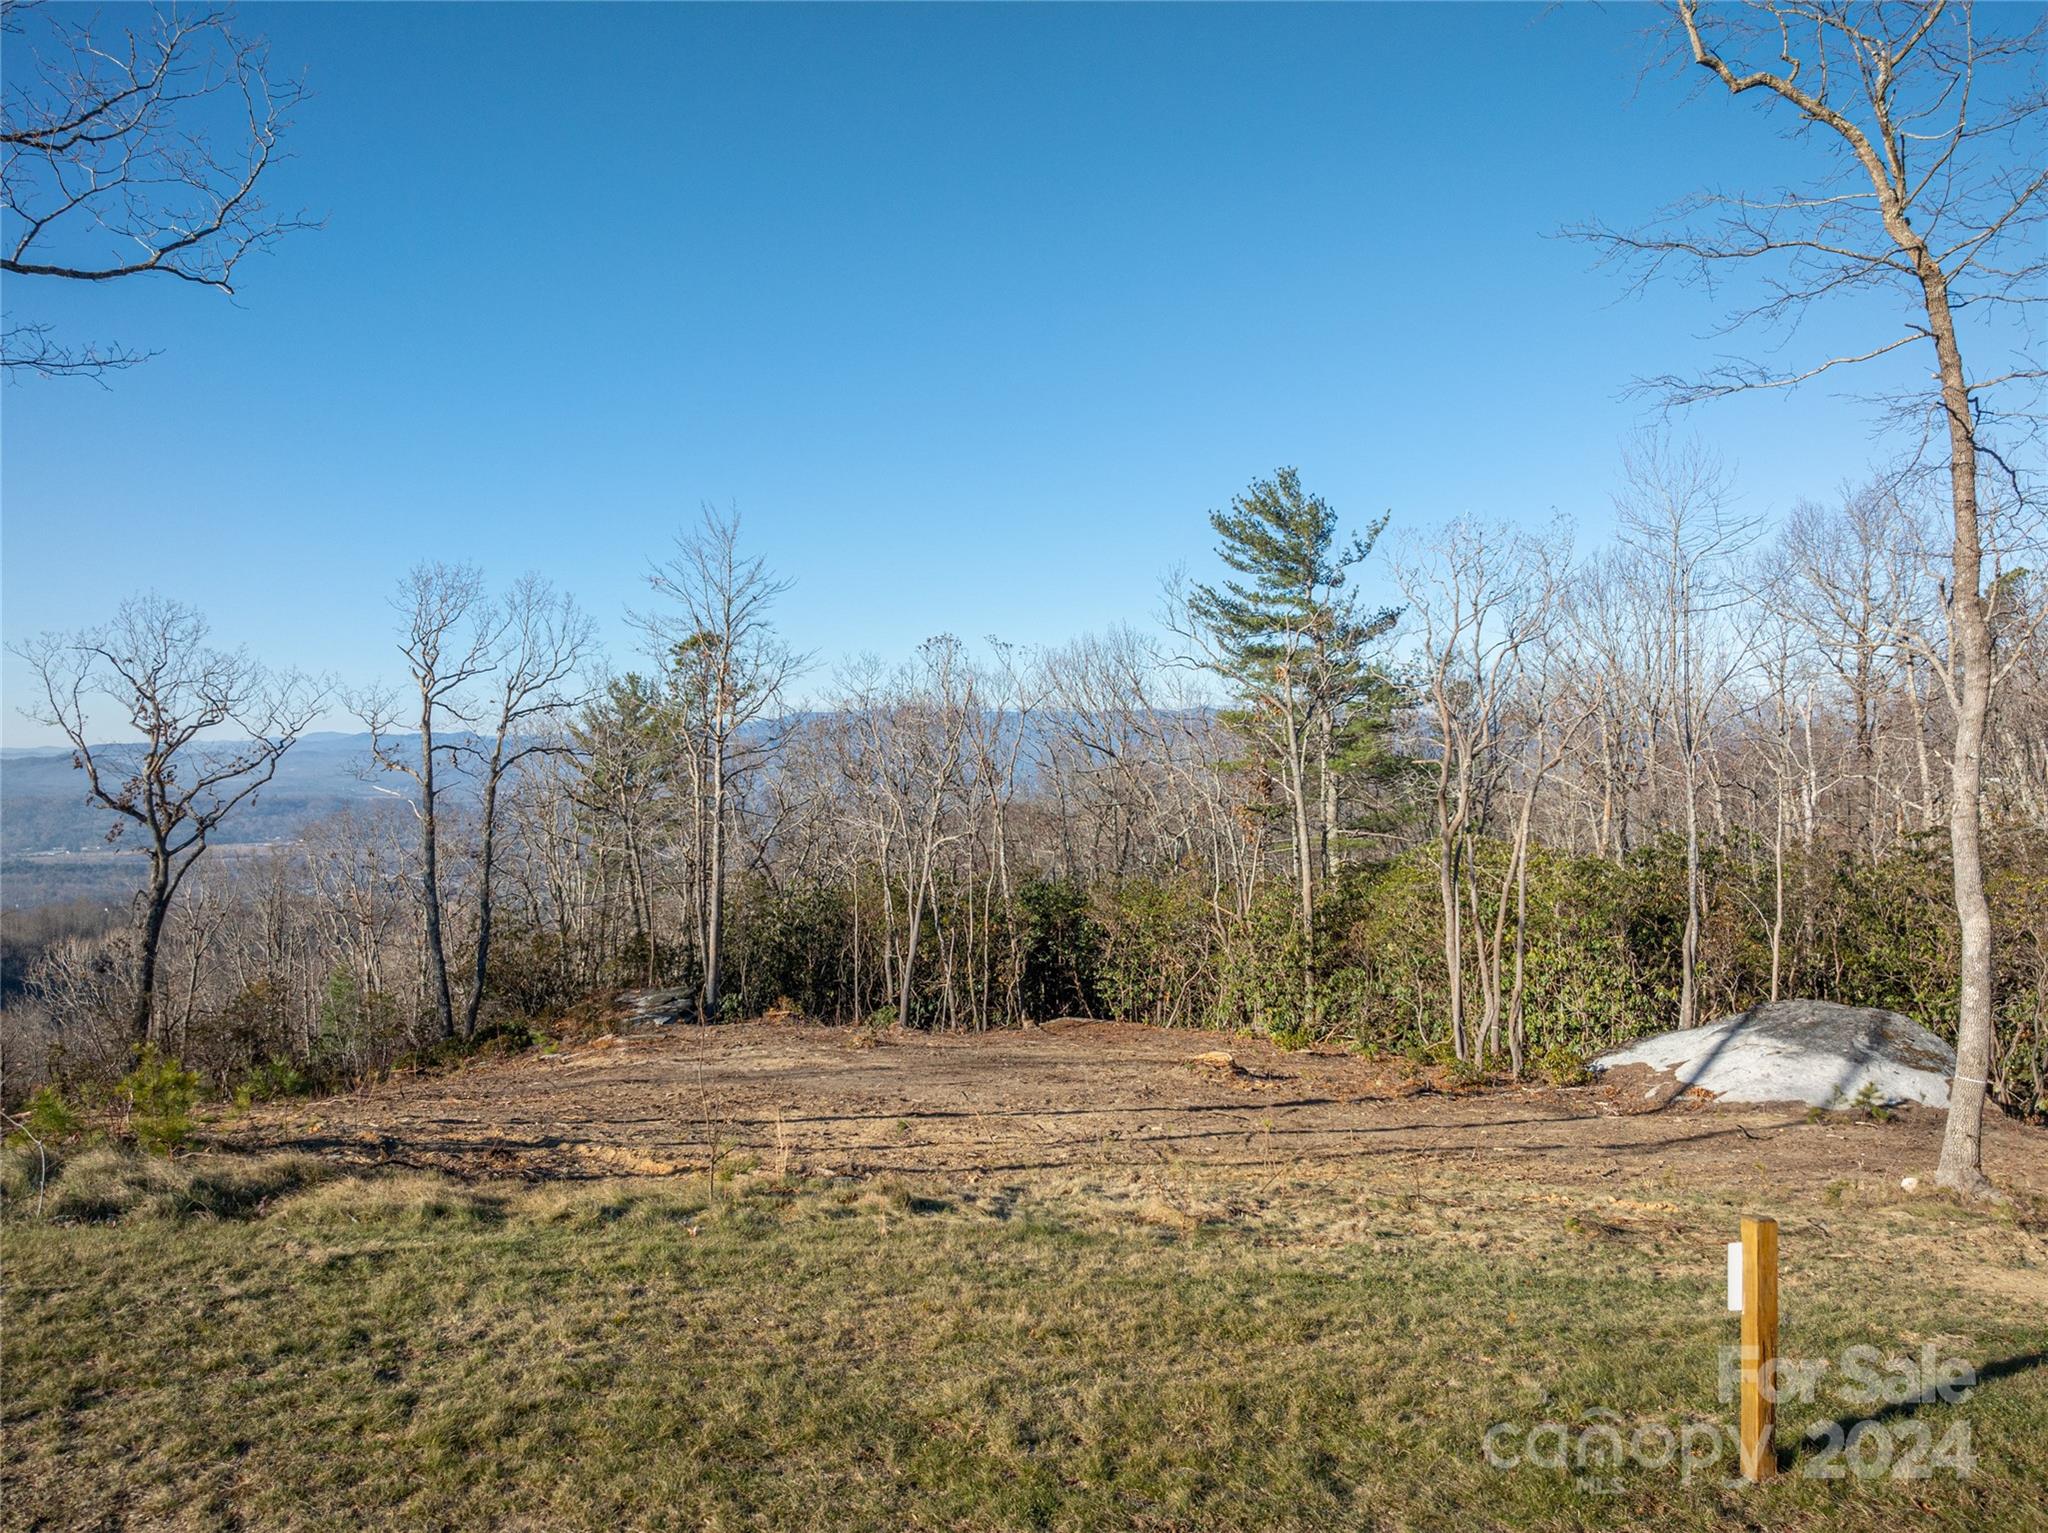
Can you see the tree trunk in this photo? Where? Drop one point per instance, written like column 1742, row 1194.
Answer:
column 714, row 887
column 916, row 903
column 1962, row 1148
column 1689, row 947
column 1304, row 865
column 486, row 850
column 1920, row 757
column 149, row 933
column 1517, row 1029
column 430, row 881
column 1454, row 942
column 1326, row 748
column 1778, row 889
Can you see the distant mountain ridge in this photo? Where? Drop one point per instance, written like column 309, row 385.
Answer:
column 44, row 805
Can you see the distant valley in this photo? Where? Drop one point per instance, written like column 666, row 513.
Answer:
column 53, row 841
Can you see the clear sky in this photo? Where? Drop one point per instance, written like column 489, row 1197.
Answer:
column 972, row 312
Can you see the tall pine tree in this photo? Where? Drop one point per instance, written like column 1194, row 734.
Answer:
column 1295, row 646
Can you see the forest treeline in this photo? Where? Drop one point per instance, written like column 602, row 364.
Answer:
column 1539, row 803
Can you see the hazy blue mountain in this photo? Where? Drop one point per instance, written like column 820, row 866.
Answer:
column 53, row 841
column 44, row 808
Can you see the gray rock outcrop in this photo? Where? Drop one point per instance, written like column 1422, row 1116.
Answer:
column 1815, row 1052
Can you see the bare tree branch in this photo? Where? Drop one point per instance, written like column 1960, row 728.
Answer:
column 131, row 153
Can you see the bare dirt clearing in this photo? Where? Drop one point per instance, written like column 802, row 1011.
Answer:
column 1083, row 1097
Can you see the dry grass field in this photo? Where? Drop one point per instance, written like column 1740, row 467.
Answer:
column 1071, row 1277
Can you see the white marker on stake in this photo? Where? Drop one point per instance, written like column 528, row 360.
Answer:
column 1735, row 1277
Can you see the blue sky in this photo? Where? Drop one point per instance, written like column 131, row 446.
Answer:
column 972, row 312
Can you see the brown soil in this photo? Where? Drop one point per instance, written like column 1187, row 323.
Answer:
column 1090, row 1098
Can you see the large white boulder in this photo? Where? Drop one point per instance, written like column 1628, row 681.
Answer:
column 1802, row 1051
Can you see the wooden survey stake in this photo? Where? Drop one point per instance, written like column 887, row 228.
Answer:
column 1759, row 1348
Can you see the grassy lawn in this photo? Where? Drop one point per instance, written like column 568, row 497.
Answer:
column 261, row 1345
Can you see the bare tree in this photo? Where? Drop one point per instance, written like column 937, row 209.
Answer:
column 903, row 754
column 174, row 786
column 357, row 869
column 1613, row 658
column 717, row 639
column 1926, row 124
column 543, row 640
column 133, row 152
column 1481, row 598
column 1550, row 715
column 558, row 871
column 1849, row 581
column 1680, row 540
column 449, row 635
column 2019, row 724
column 996, row 735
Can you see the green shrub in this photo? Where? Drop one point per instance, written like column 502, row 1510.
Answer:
column 502, row 1035
column 1060, row 949
column 1294, row 1036
column 1156, row 957
column 1562, row 1064
column 270, row 1079
column 789, row 943
column 47, row 1119
column 357, row 1029
column 160, row 1094
column 1871, row 1103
